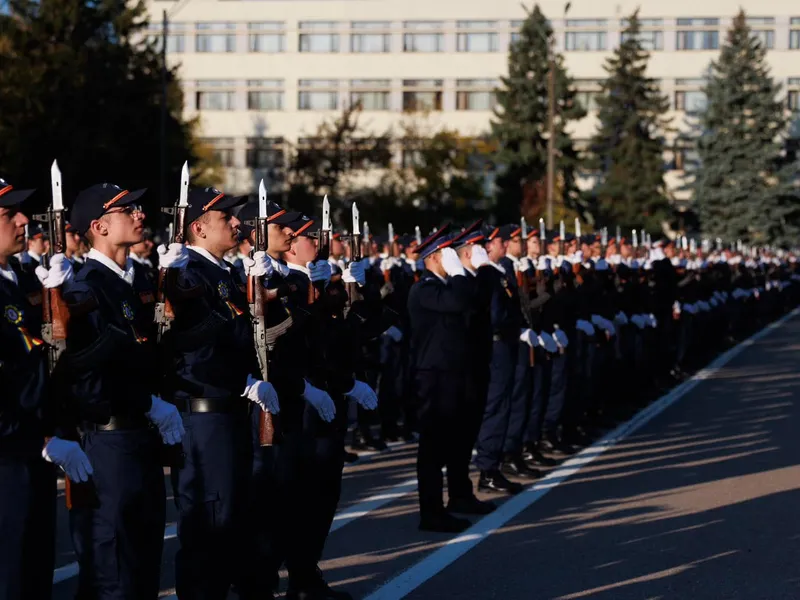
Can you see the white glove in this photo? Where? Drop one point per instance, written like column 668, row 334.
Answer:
column 168, row 420
column 621, row 319
column 547, row 341
column 355, row 273
column 176, row 257
column 585, row 327
column 577, row 258
column 394, row 333
column 59, row 273
column 524, row 264
column 451, row 263
column 561, row 339
column 320, row 271
column 364, row 395
column 70, row 457
column 321, row 401
column 639, row 320
column 479, row 257
column 652, row 321
column 263, row 394
column 387, row 264
column 258, row 266
column 528, row 336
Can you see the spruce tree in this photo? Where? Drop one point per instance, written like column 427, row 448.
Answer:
column 520, row 127
column 742, row 189
column 627, row 150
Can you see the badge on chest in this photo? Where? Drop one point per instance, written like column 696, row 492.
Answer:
column 224, row 294
column 16, row 317
column 130, row 316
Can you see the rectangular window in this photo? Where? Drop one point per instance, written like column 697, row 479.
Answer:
column 265, row 94
column 214, row 94
column 319, row 37
column 794, row 101
column 585, row 41
column 698, row 34
column 223, row 149
column 766, row 37
column 794, row 33
column 481, row 37
column 423, row 36
column 318, row 94
column 370, row 37
column 650, row 40
column 371, row 94
column 475, row 94
column 176, row 39
column 422, row 94
column 268, row 37
column 516, row 34
column 265, row 153
column 693, row 101
column 215, row 37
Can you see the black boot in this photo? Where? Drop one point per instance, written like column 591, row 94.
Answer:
column 495, row 481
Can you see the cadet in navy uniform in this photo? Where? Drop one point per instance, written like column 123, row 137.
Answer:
column 214, row 376
column 438, row 306
column 27, row 419
column 119, row 538
column 506, row 317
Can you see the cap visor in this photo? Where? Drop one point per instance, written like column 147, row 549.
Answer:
column 15, row 197
column 287, row 218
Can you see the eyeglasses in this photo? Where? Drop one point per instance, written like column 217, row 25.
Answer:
column 130, row 209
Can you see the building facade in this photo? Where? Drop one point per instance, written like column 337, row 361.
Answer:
column 263, row 74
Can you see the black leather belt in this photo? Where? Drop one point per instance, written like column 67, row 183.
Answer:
column 217, row 405
column 121, row 423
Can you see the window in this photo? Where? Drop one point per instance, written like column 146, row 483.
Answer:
column 422, row 94
column 763, row 29
column 794, row 33
column 318, row 94
column 370, row 36
column 689, row 95
column 223, row 149
column 585, row 35
column 372, row 94
column 214, row 94
column 265, row 153
column 475, row 94
column 651, row 34
column 423, row 36
column 265, row 94
column 698, row 34
column 684, row 156
column 480, row 38
column 215, row 37
column 176, row 40
column 266, row 37
column 793, row 96
column 321, row 39
column 586, row 93
column 516, row 33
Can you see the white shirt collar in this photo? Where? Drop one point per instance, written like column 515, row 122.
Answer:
column 442, row 279
column 300, row 268
column 35, row 256
column 126, row 275
column 140, row 259
column 498, row 267
column 210, row 257
column 9, row 274
column 471, row 271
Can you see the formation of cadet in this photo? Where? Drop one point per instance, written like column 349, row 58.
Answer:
column 258, row 329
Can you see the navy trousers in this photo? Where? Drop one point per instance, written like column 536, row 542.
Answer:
column 521, row 396
column 459, row 485
column 557, row 394
column 211, row 494
column 539, row 403
column 494, row 428
column 28, row 525
column 119, row 541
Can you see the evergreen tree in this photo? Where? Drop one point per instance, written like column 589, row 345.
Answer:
column 742, row 186
column 627, row 150
column 81, row 83
column 520, row 127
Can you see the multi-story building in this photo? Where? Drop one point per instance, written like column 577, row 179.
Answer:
column 263, row 74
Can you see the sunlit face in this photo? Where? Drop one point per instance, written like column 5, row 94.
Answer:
column 217, row 231
column 122, row 226
column 515, row 247
column 12, row 231
column 337, row 247
column 38, row 245
column 534, row 248
column 73, row 241
column 279, row 238
column 303, row 250
column 496, row 249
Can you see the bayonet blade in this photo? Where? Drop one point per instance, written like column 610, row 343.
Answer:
column 577, row 228
column 183, row 199
column 418, row 235
column 542, row 231
column 523, row 228
column 55, row 180
column 562, row 231
column 262, row 200
column 326, row 214
column 356, row 220
column 391, row 234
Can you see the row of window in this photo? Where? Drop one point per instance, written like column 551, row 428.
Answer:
column 417, row 95
column 472, row 36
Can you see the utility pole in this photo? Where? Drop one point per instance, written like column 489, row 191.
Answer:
column 551, row 122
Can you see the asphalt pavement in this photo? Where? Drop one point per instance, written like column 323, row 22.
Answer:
column 693, row 498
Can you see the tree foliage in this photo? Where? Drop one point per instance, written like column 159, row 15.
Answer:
column 81, row 83
column 520, row 126
column 743, row 183
column 627, row 150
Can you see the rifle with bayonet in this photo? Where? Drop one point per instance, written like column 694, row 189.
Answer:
column 353, row 293
column 387, row 275
column 523, row 283
column 268, row 426
column 176, row 235
column 323, row 248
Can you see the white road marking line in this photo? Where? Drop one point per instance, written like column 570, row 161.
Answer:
column 409, row 580
column 341, row 519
